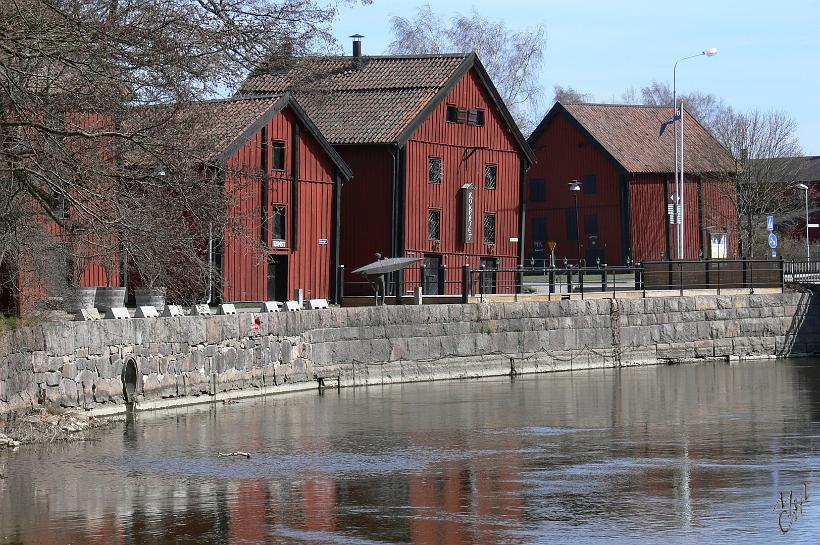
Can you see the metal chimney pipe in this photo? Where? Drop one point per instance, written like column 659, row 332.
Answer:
column 357, row 45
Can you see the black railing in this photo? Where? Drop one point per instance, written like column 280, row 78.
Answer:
column 718, row 275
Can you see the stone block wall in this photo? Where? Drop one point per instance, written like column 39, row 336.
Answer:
column 81, row 364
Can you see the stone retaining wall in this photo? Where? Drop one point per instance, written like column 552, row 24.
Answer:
column 81, row 364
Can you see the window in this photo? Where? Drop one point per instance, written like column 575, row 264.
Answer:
column 539, row 234
column 490, row 173
column 434, row 224
column 572, row 224
column 489, row 228
column 475, row 118
column 538, row 190
column 591, row 224
column 434, row 171
column 278, row 220
column 590, row 184
column 278, row 155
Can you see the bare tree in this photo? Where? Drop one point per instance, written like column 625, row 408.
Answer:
column 706, row 107
column 765, row 145
column 513, row 59
column 75, row 78
column 569, row 94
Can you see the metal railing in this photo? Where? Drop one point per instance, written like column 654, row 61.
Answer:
column 718, row 275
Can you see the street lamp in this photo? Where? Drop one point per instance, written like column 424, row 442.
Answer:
column 805, row 188
column 575, row 189
column 679, row 185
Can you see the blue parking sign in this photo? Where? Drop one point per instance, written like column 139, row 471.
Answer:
column 770, row 223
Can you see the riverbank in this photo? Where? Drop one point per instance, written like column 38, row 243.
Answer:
column 41, row 426
column 98, row 367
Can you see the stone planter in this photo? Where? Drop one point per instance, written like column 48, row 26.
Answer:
column 107, row 298
column 150, row 297
column 79, row 298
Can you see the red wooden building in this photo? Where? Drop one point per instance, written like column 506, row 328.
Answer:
column 284, row 182
column 438, row 161
column 46, row 260
column 626, row 172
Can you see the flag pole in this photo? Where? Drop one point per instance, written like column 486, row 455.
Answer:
column 682, row 227
column 675, row 202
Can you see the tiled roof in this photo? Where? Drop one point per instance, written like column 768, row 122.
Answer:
column 359, row 100
column 223, row 121
column 631, row 135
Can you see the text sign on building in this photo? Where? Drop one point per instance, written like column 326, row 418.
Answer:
column 323, row 241
column 674, row 216
column 467, row 213
column 770, row 223
column 279, row 244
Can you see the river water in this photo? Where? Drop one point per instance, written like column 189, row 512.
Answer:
column 672, row 454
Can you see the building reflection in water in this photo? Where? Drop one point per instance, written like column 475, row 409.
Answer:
column 448, row 463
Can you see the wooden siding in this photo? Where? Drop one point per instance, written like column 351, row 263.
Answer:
column 245, row 259
column 366, row 205
column 465, row 151
column 650, row 220
column 564, row 154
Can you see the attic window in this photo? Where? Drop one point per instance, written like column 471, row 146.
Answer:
column 278, row 155
column 457, row 115
column 475, row 118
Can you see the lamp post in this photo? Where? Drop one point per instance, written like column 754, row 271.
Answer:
column 679, row 185
column 575, row 189
column 805, row 188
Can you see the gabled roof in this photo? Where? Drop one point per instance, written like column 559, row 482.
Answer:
column 629, row 135
column 806, row 169
column 374, row 99
column 231, row 122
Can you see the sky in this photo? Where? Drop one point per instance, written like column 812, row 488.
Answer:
column 769, row 52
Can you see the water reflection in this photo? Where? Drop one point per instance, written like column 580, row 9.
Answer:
column 679, row 454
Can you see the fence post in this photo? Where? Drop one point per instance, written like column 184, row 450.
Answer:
column 638, row 277
column 481, row 283
column 604, row 278
column 581, row 279
column 340, row 284
column 680, row 277
column 443, row 275
column 718, row 276
column 569, row 280
column 423, row 277
column 783, row 273
column 465, row 283
column 551, row 280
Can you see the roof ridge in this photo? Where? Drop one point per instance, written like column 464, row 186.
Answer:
column 616, row 104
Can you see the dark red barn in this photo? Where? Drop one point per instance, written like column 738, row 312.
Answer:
column 438, row 160
column 626, row 172
column 284, row 182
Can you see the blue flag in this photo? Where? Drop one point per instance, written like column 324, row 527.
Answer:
column 669, row 121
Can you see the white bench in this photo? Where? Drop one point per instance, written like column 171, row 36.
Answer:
column 88, row 314
column 171, row 311
column 146, row 312
column 117, row 313
column 292, row 306
column 201, row 310
column 270, row 306
column 314, row 304
column 226, row 309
